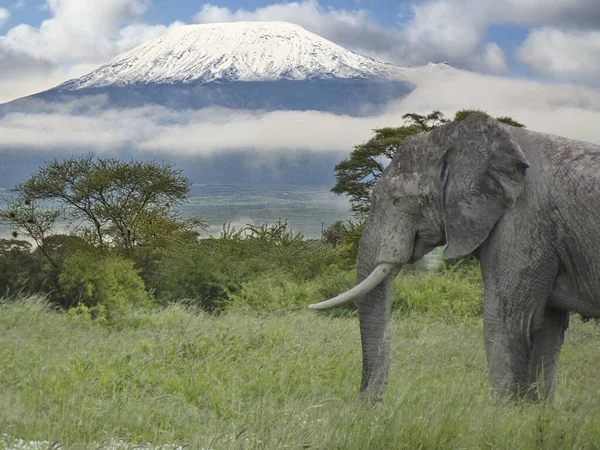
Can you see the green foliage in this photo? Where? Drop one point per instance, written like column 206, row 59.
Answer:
column 334, row 234
column 127, row 205
column 346, row 237
column 113, row 208
column 209, row 272
column 28, row 218
column 455, row 292
column 202, row 274
column 464, row 113
column 280, row 291
column 110, row 284
column 510, row 121
column 19, row 268
column 357, row 175
column 59, row 246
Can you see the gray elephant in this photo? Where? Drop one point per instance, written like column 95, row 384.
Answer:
column 526, row 204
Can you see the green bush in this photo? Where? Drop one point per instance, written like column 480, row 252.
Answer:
column 107, row 285
column 210, row 272
column 199, row 273
column 280, row 291
column 277, row 248
column 19, row 268
column 346, row 238
column 455, row 292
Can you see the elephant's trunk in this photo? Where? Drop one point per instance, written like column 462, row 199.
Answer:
column 376, row 269
column 381, row 272
column 374, row 310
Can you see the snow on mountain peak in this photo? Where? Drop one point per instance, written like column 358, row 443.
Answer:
column 239, row 51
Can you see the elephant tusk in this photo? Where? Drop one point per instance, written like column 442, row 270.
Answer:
column 368, row 284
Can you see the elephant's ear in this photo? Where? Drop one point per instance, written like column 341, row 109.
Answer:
column 483, row 172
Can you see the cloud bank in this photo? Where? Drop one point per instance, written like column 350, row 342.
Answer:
column 569, row 110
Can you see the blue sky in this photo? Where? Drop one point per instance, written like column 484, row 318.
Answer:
column 388, row 13
column 167, row 11
column 45, row 42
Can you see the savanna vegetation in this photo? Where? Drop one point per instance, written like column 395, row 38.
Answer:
column 121, row 326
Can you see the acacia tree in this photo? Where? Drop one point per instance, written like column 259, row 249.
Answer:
column 108, row 202
column 357, row 175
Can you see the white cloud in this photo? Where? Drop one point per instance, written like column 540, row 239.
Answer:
column 435, row 30
column 133, row 35
column 456, row 29
column 565, row 109
column 79, row 36
column 452, row 30
column 354, row 29
column 4, row 16
column 569, row 13
column 428, row 36
column 562, row 54
column 77, row 31
column 31, row 76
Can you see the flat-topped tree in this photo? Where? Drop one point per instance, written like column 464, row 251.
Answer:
column 109, row 202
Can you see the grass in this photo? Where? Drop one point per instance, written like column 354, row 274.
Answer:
column 272, row 381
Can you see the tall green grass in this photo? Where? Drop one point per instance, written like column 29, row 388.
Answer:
column 273, row 380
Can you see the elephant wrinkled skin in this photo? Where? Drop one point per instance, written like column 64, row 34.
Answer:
column 526, row 204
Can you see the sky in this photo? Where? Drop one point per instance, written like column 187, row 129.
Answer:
column 535, row 60
column 45, row 42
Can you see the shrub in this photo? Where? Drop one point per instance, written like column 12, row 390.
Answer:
column 210, row 272
column 19, row 268
column 455, row 292
column 346, row 238
column 202, row 274
column 280, row 291
column 108, row 285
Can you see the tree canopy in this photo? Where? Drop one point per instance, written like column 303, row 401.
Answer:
column 105, row 201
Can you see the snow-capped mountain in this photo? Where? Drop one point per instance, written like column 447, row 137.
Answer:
column 245, row 65
column 243, row 51
column 264, row 66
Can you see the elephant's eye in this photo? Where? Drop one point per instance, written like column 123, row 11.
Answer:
column 399, row 201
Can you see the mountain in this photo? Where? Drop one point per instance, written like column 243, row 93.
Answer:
column 242, row 51
column 243, row 65
column 266, row 66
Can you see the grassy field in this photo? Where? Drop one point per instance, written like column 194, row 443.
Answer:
column 272, row 381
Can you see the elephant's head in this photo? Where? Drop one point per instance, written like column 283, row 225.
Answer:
column 448, row 186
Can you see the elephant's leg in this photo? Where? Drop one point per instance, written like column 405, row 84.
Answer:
column 517, row 288
column 547, row 342
column 509, row 350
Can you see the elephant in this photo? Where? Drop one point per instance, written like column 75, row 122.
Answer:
column 525, row 204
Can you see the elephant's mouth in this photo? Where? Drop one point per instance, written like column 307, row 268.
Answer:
column 421, row 247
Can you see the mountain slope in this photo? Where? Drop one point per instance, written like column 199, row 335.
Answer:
column 246, row 65
column 243, row 51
